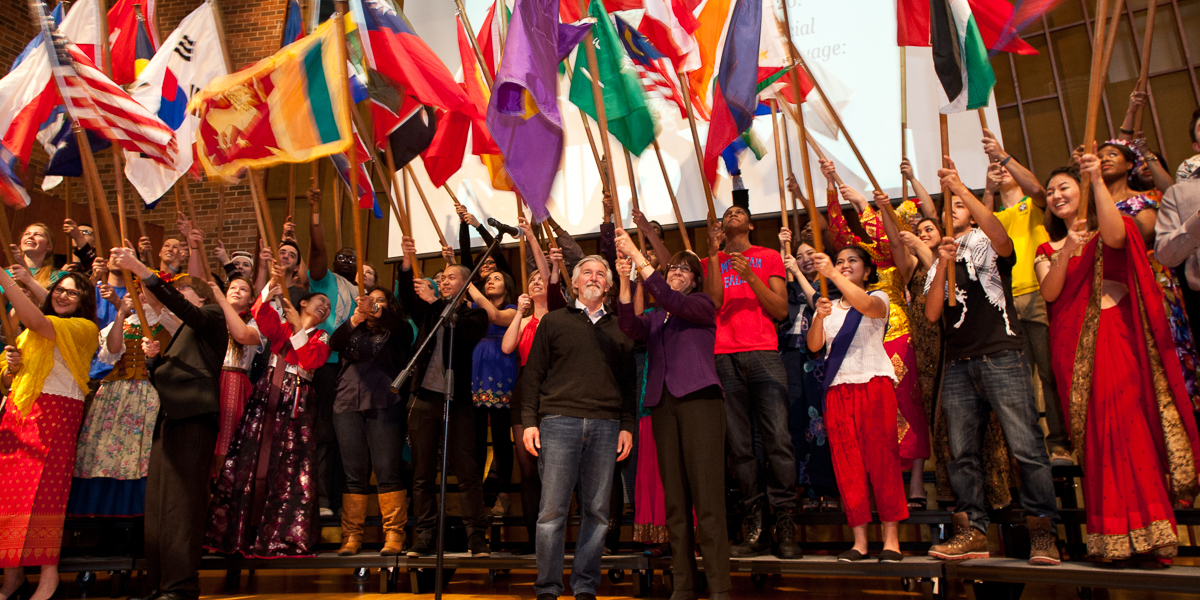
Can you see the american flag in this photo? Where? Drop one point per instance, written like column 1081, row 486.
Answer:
column 652, row 66
column 98, row 104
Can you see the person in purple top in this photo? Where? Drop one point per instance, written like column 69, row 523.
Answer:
column 687, row 409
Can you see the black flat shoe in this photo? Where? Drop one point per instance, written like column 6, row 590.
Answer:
column 851, row 555
column 890, row 556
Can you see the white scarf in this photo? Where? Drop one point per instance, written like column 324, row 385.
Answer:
column 976, row 250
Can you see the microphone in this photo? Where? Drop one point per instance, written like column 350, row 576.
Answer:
column 502, row 228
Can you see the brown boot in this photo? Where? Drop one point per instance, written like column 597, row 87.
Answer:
column 395, row 517
column 1043, row 541
column 354, row 513
column 967, row 541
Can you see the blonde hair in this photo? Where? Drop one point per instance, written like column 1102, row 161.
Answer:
column 44, row 274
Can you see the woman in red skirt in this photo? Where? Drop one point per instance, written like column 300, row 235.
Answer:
column 47, row 373
column 245, row 342
column 860, row 400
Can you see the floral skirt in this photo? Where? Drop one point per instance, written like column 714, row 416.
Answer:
column 911, row 423
column 112, row 456
column 1181, row 331
column 649, row 507
column 270, row 510
column 493, row 374
column 37, row 452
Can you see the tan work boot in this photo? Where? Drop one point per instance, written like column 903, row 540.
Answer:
column 1043, row 541
column 967, row 541
column 395, row 517
column 354, row 513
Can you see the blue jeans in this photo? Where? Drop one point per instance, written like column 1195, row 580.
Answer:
column 756, row 387
column 574, row 451
column 1002, row 383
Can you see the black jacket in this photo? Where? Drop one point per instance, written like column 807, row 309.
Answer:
column 188, row 375
column 370, row 360
column 471, row 327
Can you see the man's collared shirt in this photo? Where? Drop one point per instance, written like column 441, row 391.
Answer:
column 596, row 316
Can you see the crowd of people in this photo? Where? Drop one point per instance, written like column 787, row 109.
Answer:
column 233, row 409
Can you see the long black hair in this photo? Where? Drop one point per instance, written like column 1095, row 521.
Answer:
column 872, row 277
column 87, row 298
column 1056, row 227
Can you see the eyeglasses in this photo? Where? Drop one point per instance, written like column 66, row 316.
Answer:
column 681, row 267
column 345, row 258
column 72, row 294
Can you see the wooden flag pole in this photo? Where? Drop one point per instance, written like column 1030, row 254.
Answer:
column 633, row 179
column 903, row 118
column 453, row 198
column 291, row 191
column 266, row 228
column 428, row 209
column 360, row 248
column 687, row 239
column 483, row 66
column 102, row 250
column 337, row 213
column 6, row 324
column 522, row 249
column 687, row 95
column 1144, row 74
column 1095, row 88
column 787, row 160
column 983, row 124
column 562, row 267
column 947, row 207
column 220, row 229
column 397, row 206
column 598, row 99
column 191, row 207
column 587, row 127
column 810, row 204
column 93, row 175
column 783, row 214
column 141, row 220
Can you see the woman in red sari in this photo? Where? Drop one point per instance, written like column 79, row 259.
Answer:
column 47, row 372
column 1113, row 355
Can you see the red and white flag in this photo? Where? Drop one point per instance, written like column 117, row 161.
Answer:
column 98, row 104
column 669, row 25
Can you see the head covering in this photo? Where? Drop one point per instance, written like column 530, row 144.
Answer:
column 242, row 254
column 1138, row 159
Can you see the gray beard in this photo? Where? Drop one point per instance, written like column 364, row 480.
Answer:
column 591, row 293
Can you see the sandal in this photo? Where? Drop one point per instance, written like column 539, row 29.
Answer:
column 810, row 505
column 831, row 505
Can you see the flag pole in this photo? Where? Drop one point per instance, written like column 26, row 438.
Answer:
column 191, row 207
column 787, row 160
column 632, row 186
column 6, row 324
column 521, row 246
column 453, row 198
column 337, row 211
column 587, row 128
column 428, row 209
column 1144, row 75
column 483, row 66
column 141, row 220
column 687, row 95
column 562, row 267
column 343, row 9
column 266, row 229
column 397, row 206
column 598, row 100
column 291, row 191
column 220, row 231
column 783, row 215
column 810, row 206
column 904, row 117
column 1095, row 89
column 947, row 206
column 687, row 241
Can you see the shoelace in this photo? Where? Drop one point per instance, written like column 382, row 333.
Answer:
column 961, row 537
column 1040, row 540
column 787, row 528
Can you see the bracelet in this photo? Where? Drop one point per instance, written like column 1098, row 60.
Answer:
column 1006, row 159
column 1123, row 130
column 645, row 263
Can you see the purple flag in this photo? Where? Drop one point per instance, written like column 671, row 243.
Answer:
column 523, row 114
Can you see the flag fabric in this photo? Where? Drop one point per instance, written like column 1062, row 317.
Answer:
column 960, row 58
column 415, row 130
column 366, row 192
column 669, row 25
column 912, row 23
column 287, row 108
column 57, row 16
column 570, row 11
column 997, row 26
column 293, row 27
column 658, row 79
column 189, row 60
column 143, row 48
column 445, row 154
column 490, row 37
column 393, row 49
column 123, row 39
column 736, row 91
column 709, row 34
column 523, row 114
column 839, row 94
column 12, row 191
column 629, row 119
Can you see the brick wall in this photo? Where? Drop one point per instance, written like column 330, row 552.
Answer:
column 252, row 29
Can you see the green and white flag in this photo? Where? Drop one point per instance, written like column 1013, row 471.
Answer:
column 960, row 57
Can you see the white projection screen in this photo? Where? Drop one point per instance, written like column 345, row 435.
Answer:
column 854, row 46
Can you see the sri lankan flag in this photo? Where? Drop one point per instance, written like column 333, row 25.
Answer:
column 288, row 108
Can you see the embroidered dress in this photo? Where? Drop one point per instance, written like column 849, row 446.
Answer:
column 37, row 441
column 264, row 501
column 235, row 387
column 649, row 506
column 1128, row 415
column 493, row 373
column 112, row 456
column 1181, row 331
column 912, row 424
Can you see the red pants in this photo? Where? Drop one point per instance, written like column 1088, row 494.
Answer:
column 37, row 454
column 860, row 420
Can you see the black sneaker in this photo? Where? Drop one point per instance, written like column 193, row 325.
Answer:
column 890, row 556
column 547, row 597
column 757, row 541
column 585, row 596
column 851, row 555
column 423, row 547
column 477, row 545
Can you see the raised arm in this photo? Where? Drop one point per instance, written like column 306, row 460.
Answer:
column 905, row 262
column 512, row 335
column 1024, row 178
column 535, row 249
column 318, row 257
column 464, row 237
column 925, row 201
column 935, row 290
column 651, row 236
column 986, row 219
column 114, row 334
column 1112, row 225
column 871, row 306
column 499, row 316
column 714, row 284
column 241, row 332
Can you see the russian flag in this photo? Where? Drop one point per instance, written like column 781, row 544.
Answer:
column 736, row 91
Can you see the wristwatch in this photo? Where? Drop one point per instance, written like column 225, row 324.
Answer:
column 645, row 263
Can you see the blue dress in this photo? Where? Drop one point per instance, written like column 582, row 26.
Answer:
column 493, row 373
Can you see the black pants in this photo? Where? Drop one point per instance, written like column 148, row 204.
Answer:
column 372, row 439
column 499, row 421
column 690, row 437
column 425, row 435
column 330, row 478
column 177, row 494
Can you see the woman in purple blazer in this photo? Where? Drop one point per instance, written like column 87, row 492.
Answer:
column 687, row 410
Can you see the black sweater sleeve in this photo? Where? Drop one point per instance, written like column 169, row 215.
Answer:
column 193, row 316
column 498, row 256
column 341, row 336
column 464, row 246
column 629, row 390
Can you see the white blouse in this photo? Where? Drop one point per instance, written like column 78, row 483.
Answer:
column 60, row 381
column 166, row 318
column 866, row 359
column 248, row 352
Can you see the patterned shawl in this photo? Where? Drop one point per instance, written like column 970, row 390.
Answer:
column 77, row 340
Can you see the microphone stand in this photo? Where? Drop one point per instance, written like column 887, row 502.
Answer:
column 448, row 319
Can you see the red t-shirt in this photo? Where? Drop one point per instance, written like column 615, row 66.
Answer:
column 742, row 324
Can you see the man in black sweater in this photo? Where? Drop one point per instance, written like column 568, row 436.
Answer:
column 425, row 418
column 187, row 377
column 579, row 398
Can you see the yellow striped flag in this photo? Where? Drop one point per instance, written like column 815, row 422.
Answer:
column 288, row 108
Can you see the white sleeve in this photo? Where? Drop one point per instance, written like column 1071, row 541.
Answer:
column 104, row 356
